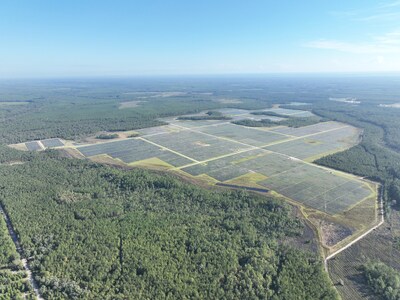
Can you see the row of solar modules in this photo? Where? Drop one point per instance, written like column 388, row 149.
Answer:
column 49, row 143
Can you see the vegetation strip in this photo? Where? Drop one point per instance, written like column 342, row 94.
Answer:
column 247, row 188
column 25, row 263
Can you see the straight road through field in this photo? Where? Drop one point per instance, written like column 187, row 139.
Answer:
column 382, row 213
column 167, row 149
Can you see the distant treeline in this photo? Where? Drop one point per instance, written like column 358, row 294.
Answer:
column 107, row 136
column 210, row 115
column 289, row 121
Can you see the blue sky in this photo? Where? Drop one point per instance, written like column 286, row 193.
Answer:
column 154, row 37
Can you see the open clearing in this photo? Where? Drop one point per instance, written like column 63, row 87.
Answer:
column 277, row 159
column 227, row 152
column 8, row 103
column 129, row 104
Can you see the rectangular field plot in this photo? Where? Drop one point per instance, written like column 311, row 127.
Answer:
column 33, row 146
column 133, row 150
column 318, row 188
column 319, row 143
column 305, row 148
column 197, row 123
column 308, row 130
column 52, row 143
column 290, row 112
column 185, row 123
column 225, row 168
column 155, row 130
column 254, row 161
column 196, row 145
column 307, row 184
column 343, row 137
column 233, row 111
column 242, row 134
column 256, row 117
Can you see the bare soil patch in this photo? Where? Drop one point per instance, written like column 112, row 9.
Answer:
column 229, row 101
column 202, row 144
column 333, row 233
column 130, row 104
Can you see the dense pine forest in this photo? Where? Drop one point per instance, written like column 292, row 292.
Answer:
column 13, row 280
column 290, row 122
column 383, row 280
column 92, row 231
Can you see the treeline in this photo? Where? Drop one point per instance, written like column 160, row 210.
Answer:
column 268, row 113
column 374, row 157
column 210, row 115
column 289, row 121
column 107, row 136
column 383, row 280
column 255, row 123
column 13, row 279
column 94, row 232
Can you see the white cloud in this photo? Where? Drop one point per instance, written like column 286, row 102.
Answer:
column 391, row 38
column 386, row 12
column 391, row 4
column 387, row 43
column 389, row 16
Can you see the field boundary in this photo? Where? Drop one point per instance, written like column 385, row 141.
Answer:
column 382, row 220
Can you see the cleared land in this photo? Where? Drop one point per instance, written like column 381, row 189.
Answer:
column 269, row 159
column 9, row 103
column 132, row 150
column 196, row 145
column 43, row 144
column 129, row 104
column 33, row 146
column 243, row 134
column 52, row 143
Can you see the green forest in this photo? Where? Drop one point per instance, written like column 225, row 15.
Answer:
column 289, row 121
column 93, row 231
column 13, row 280
column 210, row 115
column 384, row 280
column 71, row 113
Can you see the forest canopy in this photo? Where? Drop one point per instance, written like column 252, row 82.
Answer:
column 92, row 231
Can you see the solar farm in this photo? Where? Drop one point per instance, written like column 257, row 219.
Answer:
column 44, row 144
column 277, row 159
